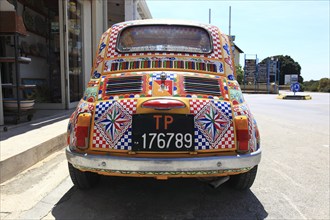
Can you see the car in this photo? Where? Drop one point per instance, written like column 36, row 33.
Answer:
column 162, row 102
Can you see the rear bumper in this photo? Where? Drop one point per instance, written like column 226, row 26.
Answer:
column 171, row 167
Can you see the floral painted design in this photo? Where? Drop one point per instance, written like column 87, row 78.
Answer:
column 236, row 96
column 91, row 94
column 229, row 62
column 226, row 48
column 98, row 61
column 102, row 46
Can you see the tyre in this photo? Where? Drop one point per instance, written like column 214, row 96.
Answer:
column 83, row 180
column 243, row 181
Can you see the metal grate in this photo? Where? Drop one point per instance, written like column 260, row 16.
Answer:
column 199, row 85
column 122, row 85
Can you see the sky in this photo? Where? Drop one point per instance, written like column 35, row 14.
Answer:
column 299, row 29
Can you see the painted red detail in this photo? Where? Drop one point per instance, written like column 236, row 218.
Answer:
column 81, row 134
column 243, row 140
column 163, row 104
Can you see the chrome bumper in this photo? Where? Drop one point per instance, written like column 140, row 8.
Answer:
column 128, row 164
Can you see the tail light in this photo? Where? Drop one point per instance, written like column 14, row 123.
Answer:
column 68, row 134
column 257, row 137
column 163, row 104
column 82, row 130
column 242, row 133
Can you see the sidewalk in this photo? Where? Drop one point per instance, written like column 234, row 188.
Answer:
column 27, row 143
column 291, row 96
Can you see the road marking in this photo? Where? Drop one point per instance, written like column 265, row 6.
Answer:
column 50, row 120
column 293, row 205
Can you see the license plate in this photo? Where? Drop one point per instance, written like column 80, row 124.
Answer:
column 163, row 132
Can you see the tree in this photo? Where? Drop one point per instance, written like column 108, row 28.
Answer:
column 324, row 85
column 311, row 86
column 287, row 66
column 239, row 74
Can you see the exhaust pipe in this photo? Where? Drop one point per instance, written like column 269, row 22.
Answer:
column 218, row 181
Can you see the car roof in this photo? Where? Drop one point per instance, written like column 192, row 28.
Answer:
column 164, row 22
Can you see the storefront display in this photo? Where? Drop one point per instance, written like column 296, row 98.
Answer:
column 55, row 46
column 59, row 43
column 75, row 50
column 41, row 46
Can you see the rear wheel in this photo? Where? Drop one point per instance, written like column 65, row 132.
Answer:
column 83, row 180
column 243, row 181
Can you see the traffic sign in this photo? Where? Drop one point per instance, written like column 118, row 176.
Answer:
column 295, row 87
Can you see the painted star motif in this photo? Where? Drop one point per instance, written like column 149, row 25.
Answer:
column 213, row 122
column 114, row 122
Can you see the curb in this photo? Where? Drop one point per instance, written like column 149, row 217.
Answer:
column 20, row 162
column 294, row 97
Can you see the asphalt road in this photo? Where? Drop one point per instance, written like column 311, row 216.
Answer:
column 292, row 180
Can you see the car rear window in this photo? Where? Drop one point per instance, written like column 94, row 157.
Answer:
column 164, row 38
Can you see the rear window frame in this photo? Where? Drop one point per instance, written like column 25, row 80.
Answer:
column 164, row 51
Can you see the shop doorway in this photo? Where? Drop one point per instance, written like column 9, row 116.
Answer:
column 76, row 49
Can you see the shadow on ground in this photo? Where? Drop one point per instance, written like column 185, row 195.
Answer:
column 46, row 117
column 134, row 198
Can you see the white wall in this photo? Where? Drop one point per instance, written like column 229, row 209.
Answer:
column 136, row 10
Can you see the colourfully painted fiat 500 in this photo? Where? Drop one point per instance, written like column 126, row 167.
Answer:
column 163, row 102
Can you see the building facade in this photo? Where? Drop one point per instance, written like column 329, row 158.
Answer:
column 60, row 43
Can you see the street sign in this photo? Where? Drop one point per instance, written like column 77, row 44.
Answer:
column 291, row 79
column 294, row 78
column 295, row 87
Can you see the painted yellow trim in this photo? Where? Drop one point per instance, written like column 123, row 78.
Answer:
column 105, row 50
column 241, row 122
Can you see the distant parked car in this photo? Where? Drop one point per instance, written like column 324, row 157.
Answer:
column 163, row 102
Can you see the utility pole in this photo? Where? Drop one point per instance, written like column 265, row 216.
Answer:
column 229, row 20
column 209, row 16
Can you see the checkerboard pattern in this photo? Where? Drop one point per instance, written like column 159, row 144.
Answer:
column 112, row 41
column 156, row 76
column 225, row 108
column 125, row 142
column 102, row 107
column 227, row 139
column 216, row 43
column 129, row 105
column 100, row 139
column 201, row 143
column 226, row 142
column 196, row 105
